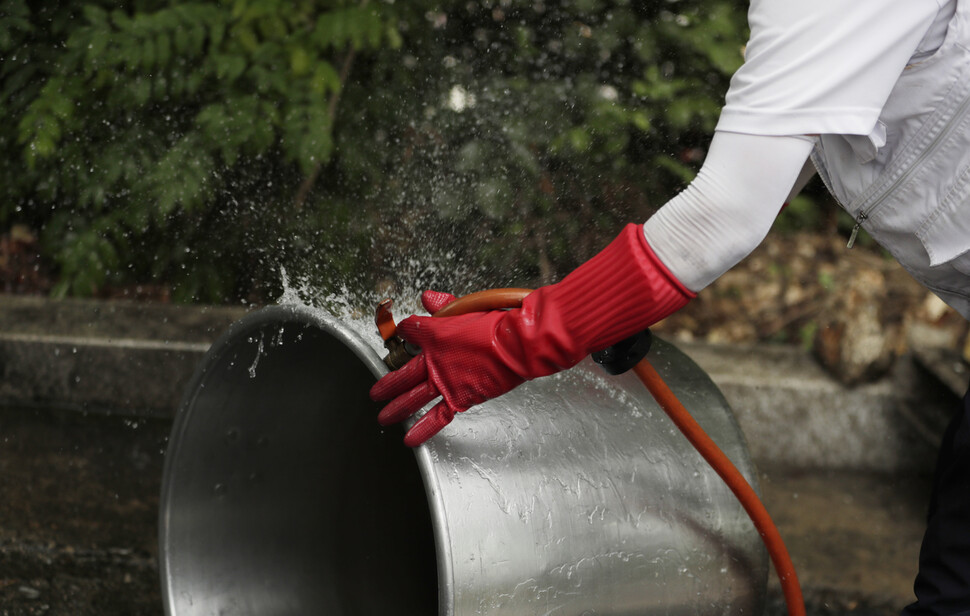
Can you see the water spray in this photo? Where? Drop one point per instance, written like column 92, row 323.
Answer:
column 630, row 354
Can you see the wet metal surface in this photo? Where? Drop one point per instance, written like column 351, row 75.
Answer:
column 571, row 494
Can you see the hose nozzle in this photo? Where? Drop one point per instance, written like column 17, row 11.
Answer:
column 399, row 352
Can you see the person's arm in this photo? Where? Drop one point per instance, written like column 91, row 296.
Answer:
column 644, row 275
column 728, row 209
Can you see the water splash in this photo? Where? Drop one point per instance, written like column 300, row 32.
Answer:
column 259, row 354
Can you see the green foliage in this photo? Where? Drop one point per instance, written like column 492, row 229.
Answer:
column 204, row 143
column 132, row 119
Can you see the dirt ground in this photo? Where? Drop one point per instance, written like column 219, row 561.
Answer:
column 793, row 280
column 857, row 310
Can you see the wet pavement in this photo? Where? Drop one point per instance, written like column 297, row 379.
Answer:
column 79, row 499
column 78, row 511
column 854, row 538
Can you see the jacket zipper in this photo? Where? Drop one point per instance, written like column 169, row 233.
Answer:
column 864, row 214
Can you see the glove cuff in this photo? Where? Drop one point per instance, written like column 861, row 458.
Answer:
column 621, row 291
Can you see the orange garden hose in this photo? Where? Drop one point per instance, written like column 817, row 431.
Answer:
column 512, row 298
column 493, row 299
column 723, row 466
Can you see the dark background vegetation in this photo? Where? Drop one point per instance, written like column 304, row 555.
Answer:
column 192, row 149
column 221, row 152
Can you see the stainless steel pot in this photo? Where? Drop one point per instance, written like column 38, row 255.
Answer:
column 573, row 494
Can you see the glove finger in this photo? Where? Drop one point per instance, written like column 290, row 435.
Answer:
column 433, row 301
column 417, row 329
column 401, row 381
column 430, row 424
column 407, row 404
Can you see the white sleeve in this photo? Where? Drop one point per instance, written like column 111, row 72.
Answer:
column 825, row 66
column 729, row 207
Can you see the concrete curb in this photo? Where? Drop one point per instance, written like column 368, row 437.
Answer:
column 107, row 357
column 136, row 359
column 136, row 377
column 795, row 415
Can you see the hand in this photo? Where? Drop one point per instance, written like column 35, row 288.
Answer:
column 459, row 361
column 472, row 358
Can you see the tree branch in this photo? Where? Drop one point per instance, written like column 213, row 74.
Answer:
column 307, row 184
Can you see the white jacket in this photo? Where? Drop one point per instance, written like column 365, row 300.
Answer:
column 908, row 183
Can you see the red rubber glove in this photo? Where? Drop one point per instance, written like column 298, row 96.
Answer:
column 471, row 358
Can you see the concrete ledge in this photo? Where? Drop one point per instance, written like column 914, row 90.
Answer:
column 138, row 377
column 92, row 319
column 114, row 357
column 795, row 415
